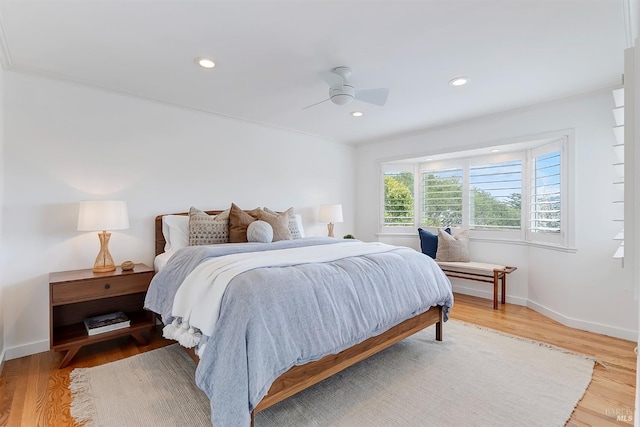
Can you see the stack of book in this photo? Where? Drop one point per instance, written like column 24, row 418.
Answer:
column 106, row 323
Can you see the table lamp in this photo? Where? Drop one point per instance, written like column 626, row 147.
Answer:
column 96, row 215
column 330, row 214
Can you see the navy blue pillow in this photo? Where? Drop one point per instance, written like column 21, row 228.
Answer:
column 429, row 242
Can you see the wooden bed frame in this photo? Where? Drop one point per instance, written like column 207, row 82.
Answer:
column 301, row 377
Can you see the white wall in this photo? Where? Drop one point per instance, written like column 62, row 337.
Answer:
column 65, row 143
column 586, row 289
column 2, row 347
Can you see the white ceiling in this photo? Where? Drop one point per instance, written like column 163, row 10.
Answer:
column 270, row 54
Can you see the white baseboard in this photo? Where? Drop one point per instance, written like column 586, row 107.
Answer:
column 26, row 349
column 584, row 325
column 598, row 328
column 2, row 360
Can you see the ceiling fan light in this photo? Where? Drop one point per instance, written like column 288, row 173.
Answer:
column 341, row 98
column 341, row 95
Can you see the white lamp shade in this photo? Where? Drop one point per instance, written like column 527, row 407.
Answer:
column 330, row 213
column 96, row 215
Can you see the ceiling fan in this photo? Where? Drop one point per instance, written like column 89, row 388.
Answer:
column 341, row 91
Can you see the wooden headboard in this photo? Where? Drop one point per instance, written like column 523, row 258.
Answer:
column 160, row 242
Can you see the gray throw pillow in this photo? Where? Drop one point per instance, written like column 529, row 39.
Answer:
column 453, row 248
column 293, row 222
column 279, row 223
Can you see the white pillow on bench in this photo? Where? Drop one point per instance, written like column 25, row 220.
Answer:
column 453, row 248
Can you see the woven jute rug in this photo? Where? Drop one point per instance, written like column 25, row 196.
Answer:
column 475, row 377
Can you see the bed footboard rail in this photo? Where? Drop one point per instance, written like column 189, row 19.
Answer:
column 301, row 377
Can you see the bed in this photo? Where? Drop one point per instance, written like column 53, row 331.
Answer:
column 260, row 322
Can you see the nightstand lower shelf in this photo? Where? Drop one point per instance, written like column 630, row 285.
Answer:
column 71, row 338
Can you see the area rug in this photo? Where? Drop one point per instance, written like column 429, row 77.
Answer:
column 475, row 377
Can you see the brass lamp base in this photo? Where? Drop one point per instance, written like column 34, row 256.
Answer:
column 104, row 262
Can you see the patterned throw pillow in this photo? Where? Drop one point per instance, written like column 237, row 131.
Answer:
column 206, row 229
column 453, row 248
column 239, row 220
column 294, row 229
column 279, row 223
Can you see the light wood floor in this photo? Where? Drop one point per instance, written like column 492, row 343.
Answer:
column 33, row 392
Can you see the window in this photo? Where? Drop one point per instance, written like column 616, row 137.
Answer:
column 442, row 197
column 495, row 193
column 520, row 195
column 547, row 194
column 480, row 193
column 398, row 196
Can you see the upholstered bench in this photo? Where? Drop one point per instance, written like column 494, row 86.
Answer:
column 481, row 272
column 451, row 253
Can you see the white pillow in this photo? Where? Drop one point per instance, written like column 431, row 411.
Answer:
column 453, row 248
column 175, row 229
column 161, row 260
column 260, row 231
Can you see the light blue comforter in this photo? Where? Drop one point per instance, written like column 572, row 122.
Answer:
column 274, row 318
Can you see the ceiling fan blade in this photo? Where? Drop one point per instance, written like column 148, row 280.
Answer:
column 332, row 79
column 313, row 105
column 373, row 96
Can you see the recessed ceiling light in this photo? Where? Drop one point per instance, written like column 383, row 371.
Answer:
column 495, row 150
column 459, row 81
column 204, row 62
column 357, row 113
column 428, row 160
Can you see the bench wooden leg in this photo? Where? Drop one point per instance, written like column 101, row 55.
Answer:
column 495, row 290
column 504, row 289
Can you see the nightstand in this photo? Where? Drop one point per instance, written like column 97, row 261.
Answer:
column 76, row 295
